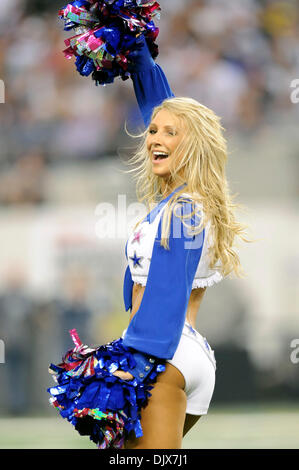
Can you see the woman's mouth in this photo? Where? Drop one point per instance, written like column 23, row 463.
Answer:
column 159, row 156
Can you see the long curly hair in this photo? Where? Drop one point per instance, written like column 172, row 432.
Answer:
column 199, row 161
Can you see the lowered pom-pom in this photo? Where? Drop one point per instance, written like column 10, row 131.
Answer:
column 96, row 402
column 106, row 33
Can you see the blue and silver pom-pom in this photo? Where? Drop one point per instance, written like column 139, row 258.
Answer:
column 98, row 403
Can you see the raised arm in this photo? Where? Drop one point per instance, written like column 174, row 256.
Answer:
column 150, row 83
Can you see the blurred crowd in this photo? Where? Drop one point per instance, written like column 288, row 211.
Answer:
column 35, row 332
column 238, row 58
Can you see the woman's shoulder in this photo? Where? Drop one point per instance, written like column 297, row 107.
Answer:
column 193, row 196
column 189, row 199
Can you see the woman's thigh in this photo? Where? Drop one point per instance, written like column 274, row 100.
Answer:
column 163, row 418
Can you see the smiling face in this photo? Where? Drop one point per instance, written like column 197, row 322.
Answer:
column 165, row 134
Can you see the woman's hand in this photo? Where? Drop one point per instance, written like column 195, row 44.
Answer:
column 123, row 375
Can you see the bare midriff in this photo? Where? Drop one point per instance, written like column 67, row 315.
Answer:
column 195, row 299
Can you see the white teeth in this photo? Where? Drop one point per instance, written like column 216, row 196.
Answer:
column 160, row 153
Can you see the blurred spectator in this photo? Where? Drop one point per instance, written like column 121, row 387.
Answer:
column 23, row 183
column 15, row 311
column 11, row 12
column 49, row 328
column 73, row 309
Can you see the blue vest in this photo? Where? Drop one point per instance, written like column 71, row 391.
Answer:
column 157, row 325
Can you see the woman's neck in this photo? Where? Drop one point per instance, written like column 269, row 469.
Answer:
column 167, row 189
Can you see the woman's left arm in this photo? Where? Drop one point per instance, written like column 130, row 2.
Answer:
column 157, row 325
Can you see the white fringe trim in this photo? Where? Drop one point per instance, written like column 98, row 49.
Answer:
column 141, row 281
column 197, row 283
column 208, row 281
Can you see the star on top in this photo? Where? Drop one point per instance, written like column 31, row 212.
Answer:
column 137, row 236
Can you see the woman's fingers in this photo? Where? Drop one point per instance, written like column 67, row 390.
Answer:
column 123, row 375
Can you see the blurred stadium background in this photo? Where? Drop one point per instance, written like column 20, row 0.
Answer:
column 63, row 152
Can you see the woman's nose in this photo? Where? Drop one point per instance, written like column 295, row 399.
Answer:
column 156, row 139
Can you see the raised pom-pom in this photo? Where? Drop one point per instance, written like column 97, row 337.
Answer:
column 105, row 34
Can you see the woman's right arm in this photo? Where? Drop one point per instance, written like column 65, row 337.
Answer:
column 150, row 83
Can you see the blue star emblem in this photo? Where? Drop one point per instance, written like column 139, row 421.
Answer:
column 136, row 259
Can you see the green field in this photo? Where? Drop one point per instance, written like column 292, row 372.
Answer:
column 251, row 427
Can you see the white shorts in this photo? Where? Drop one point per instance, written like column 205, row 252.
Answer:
column 195, row 359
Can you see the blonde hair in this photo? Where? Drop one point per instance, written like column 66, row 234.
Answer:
column 199, row 161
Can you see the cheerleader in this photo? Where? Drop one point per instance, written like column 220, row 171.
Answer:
column 148, row 388
column 182, row 160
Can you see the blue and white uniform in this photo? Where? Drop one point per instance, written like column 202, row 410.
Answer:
column 159, row 327
column 88, row 394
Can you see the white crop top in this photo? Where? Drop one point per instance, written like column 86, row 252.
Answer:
column 139, row 251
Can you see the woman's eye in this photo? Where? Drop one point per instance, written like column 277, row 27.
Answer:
column 153, row 131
